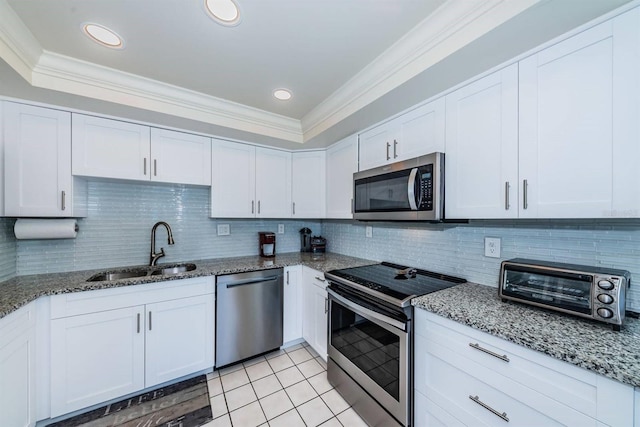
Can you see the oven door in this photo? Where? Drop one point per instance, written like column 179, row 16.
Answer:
column 373, row 349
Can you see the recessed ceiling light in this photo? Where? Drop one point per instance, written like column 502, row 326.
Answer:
column 103, row 35
column 225, row 12
column 282, row 94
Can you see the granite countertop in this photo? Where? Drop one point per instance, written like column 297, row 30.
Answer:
column 19, row 291
column 587, row 344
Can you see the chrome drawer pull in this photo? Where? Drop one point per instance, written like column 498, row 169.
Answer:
column 489, row 408
column 320, row 279
column 502, row 357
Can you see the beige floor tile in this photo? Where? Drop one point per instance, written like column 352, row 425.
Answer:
column 312, row 351
column 289, row 376
column 259, row 370
column 288, row 419
column 301, row 392
column 300, row 355
column 215, row 386
column 292, row 348
column 320, row 383
column 229, row 369
column 310, row 368
column 248, row 416
column 239, row 397
column 275, row 353
column 254, row 361
column 335, row 402
column 223, row 421
column 234, row 380
column 280, row 363
column 214, row 374
column 314, row 412
column 333, row 422
column 351, row 419
column 322, row 363
column 275, row 404
column 218, row 406
column 267, row 385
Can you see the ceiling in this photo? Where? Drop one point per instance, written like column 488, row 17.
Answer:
column 349, row 63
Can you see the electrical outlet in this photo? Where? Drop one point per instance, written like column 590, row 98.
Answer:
column 368, row 231
column 223, row 230
column 280, row 228
column 492, row 247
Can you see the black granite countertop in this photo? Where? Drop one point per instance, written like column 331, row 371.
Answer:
column 19, row 291
column 581, row 342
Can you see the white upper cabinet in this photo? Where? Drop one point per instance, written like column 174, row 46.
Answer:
column 415, row 133
column 37, row 164
column 342, row 163
column 481, row 160
column 579, row 125
column 308, row 184
column 108, row 148
column 249, row 182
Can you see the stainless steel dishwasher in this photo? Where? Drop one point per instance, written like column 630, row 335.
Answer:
column 248, row 314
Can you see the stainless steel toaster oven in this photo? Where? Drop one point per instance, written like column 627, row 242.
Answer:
column 592, row 292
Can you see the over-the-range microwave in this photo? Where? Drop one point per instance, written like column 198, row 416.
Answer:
column 410, row 190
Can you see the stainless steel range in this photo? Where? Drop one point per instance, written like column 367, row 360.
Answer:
column 371, row 337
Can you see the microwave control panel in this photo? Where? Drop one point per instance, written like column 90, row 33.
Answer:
column 426, row 188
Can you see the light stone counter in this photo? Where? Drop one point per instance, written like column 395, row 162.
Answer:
column 588, row 344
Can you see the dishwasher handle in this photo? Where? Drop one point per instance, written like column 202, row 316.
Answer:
column 251, row 281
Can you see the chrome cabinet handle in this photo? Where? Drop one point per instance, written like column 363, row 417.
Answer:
column 145, row 166
column 326, row 305
column 502, row 415
column 294, row 208
column 138, row 322
column 149, row 320
column 525, row 187
column 253, row 206
column 502, row 357
column 64, row 200
column 320, row 279
column 258, row 206
column 395, row 151
column 507, row 205
column 155, row 167
column 388, row 146
column 287, row 277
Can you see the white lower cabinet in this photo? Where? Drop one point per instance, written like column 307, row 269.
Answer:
column 17, row 368
column 112, row 342
column 466, row 377
column 315, row 306
column 292, row 310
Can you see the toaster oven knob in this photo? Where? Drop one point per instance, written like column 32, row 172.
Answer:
column 605, row 313
column 606, row 285
column 605, row 299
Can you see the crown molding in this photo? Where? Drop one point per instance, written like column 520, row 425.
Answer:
column 451, row 27
column 18, row 47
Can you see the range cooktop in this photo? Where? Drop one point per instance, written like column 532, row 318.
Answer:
column 392, row 282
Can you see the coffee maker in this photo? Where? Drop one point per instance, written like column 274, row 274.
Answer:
column 267, row 244
column 305, row 239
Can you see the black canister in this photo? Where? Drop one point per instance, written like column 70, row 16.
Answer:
column 305, row 239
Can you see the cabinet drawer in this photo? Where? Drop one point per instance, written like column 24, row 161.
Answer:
column 495, row 395
column 565, row 383
column 77, row 303
column 428, row 414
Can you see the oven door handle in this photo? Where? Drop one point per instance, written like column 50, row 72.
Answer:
column 366, row 312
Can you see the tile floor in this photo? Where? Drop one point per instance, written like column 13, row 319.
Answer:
column 285, row 388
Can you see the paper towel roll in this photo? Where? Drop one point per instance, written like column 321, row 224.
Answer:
column 46, row 229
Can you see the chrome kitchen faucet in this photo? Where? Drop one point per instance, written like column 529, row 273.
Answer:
column 155, row 256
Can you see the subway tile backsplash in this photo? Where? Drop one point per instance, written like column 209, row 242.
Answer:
column 7, row 249
column 459, row 249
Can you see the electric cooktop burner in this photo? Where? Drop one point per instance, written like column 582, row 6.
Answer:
column 395, row 282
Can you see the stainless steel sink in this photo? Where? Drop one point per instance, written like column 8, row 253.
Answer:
column 157, row 270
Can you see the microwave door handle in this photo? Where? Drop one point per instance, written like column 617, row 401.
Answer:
column 411, row 185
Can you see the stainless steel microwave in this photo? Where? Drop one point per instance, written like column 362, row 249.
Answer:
column 411, row 190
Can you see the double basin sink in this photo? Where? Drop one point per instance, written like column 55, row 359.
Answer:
column 130, row 273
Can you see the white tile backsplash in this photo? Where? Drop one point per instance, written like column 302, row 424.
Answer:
column 458, row 249
column 7, row 249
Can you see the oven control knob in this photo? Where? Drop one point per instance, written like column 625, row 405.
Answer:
column 605, row 284
column 605, row 313
column 605, row 299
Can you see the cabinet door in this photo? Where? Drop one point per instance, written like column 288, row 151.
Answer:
column 37, row 161
column 273, row 183
column 292, row 316
column 374, row 147
column 320, row 310
column 419, row 132
column 233, row 184
column 570, row 94
column 342, row 162
column 180, row 158
column 179, row 338
column 308, row 184
column 482, row 148
column 96, row 357
column 110, row 148
column 17, row 368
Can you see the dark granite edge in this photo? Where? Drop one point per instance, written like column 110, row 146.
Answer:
column 584, row 343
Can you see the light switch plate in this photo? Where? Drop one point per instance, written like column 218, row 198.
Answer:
column 368, row 231
column 280, row 228
column 492, row 247
column 223, row 230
